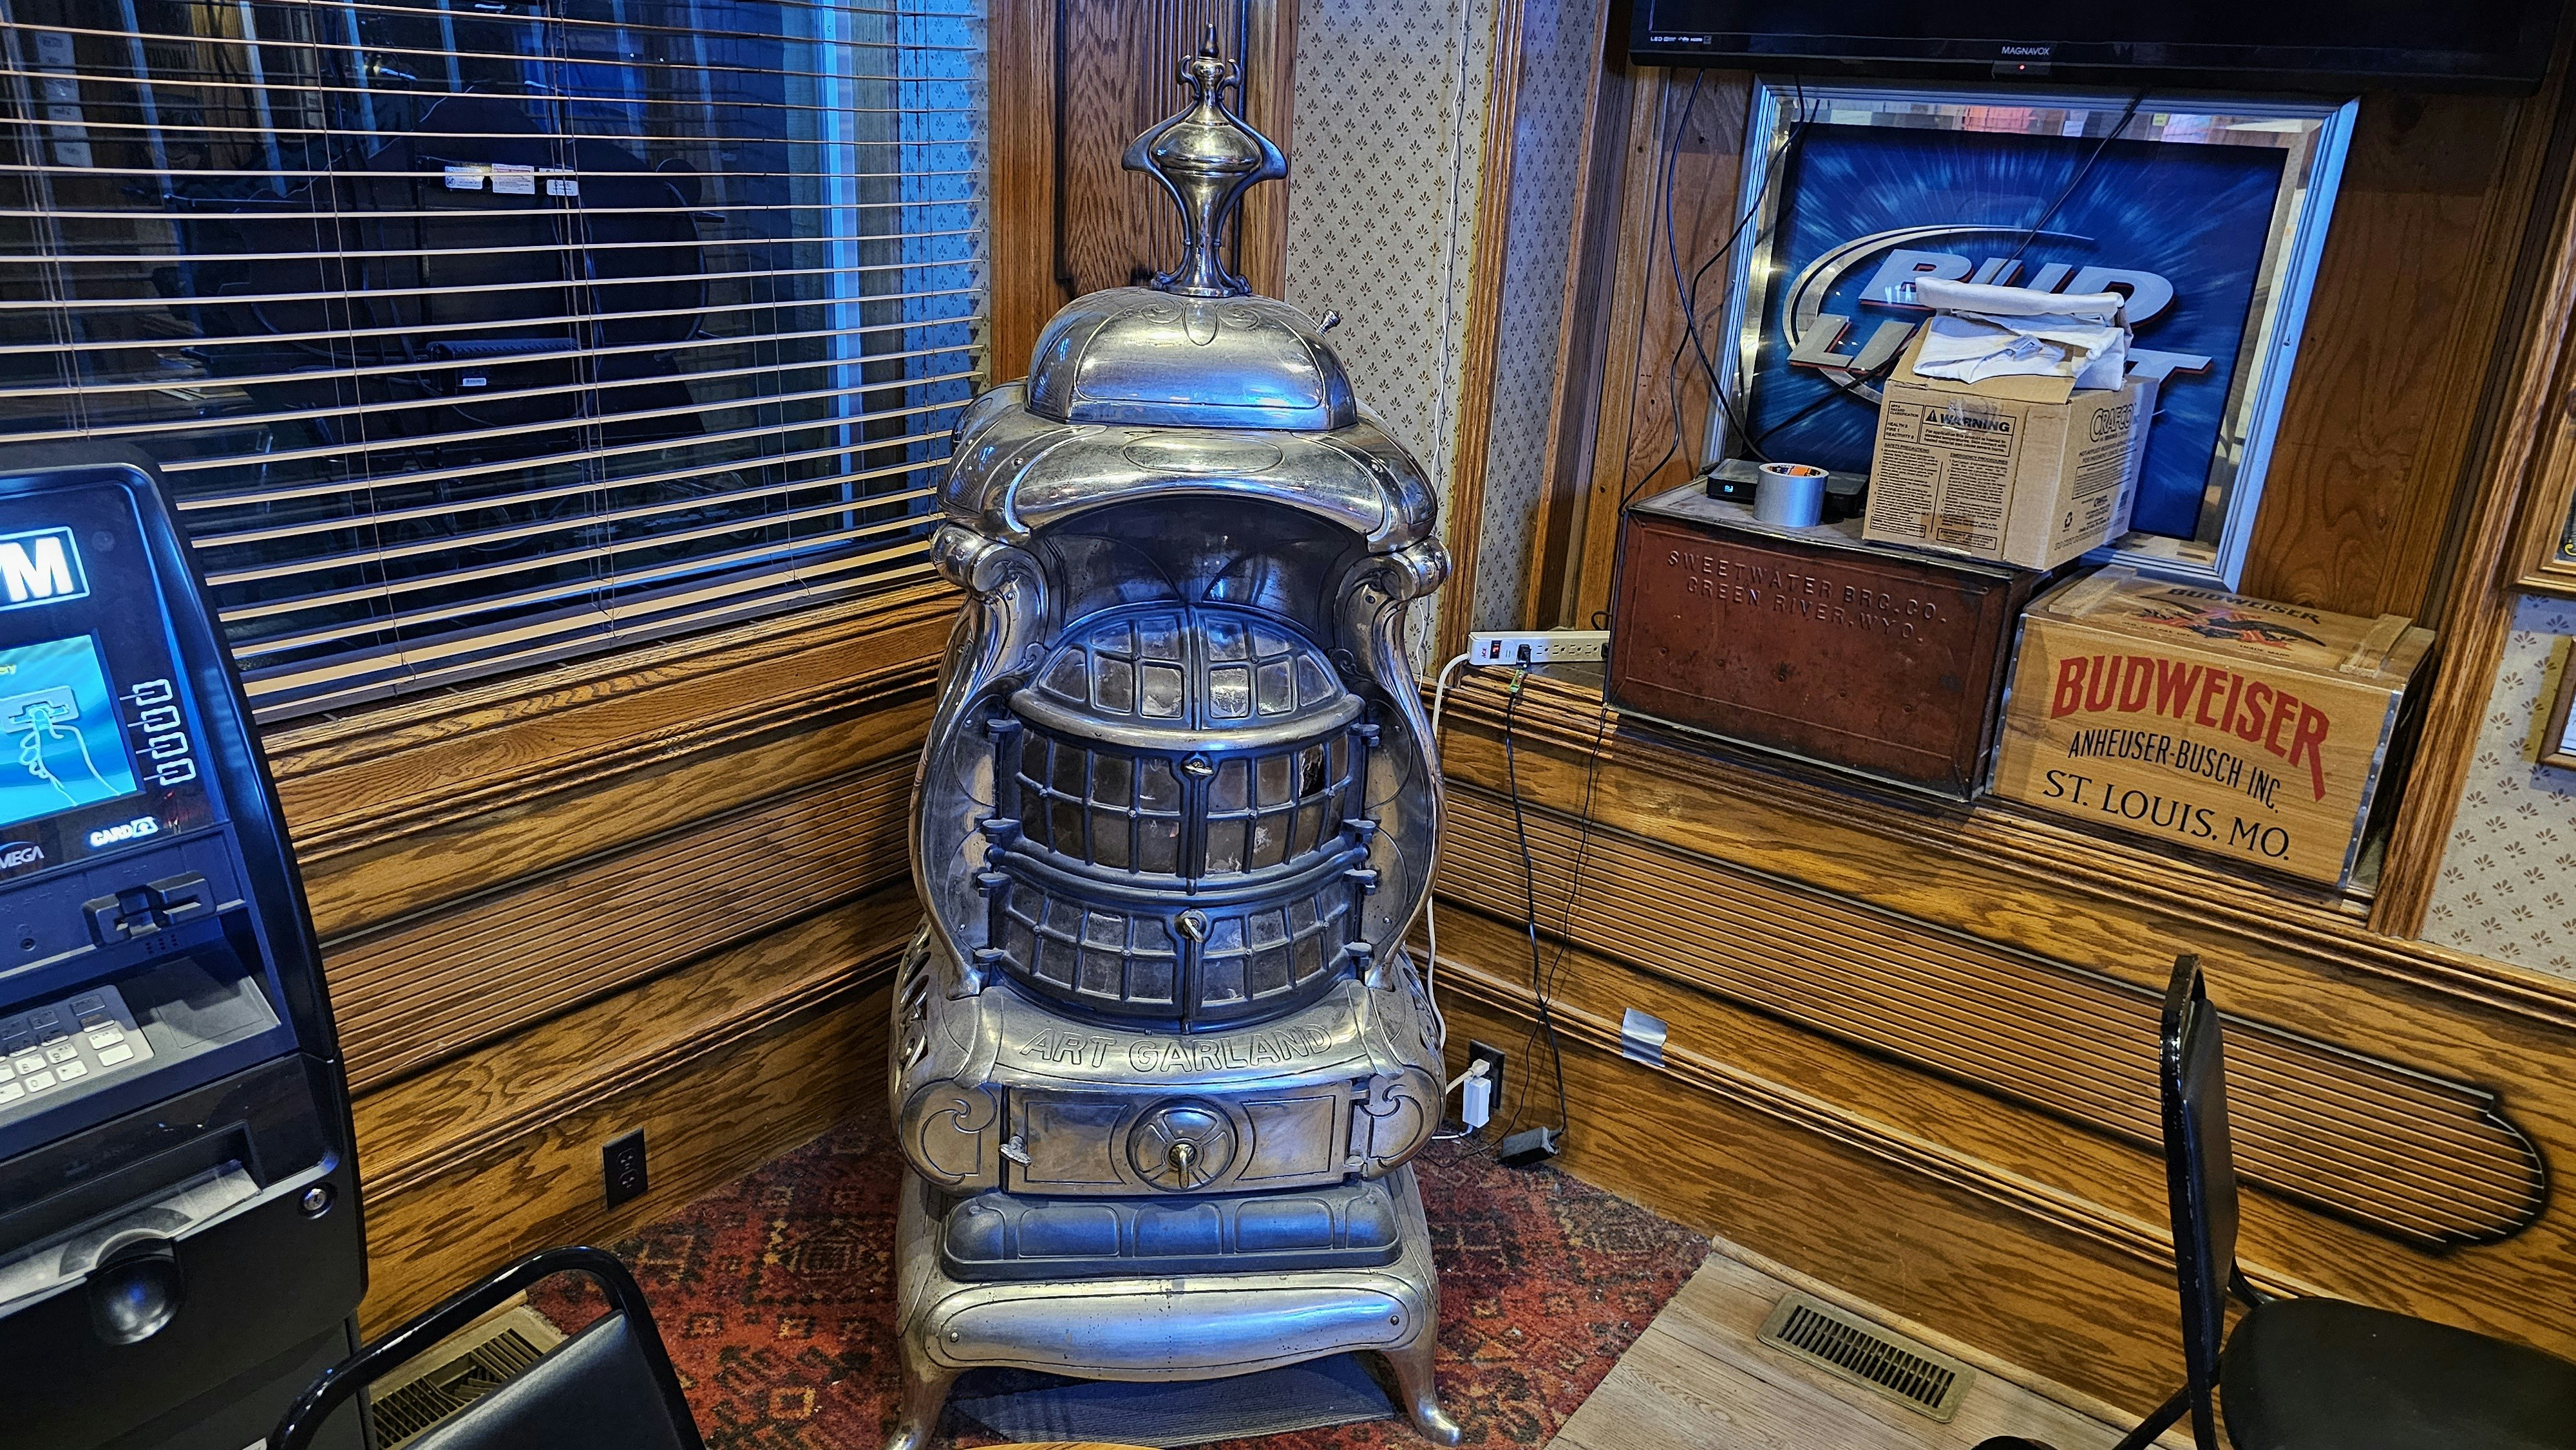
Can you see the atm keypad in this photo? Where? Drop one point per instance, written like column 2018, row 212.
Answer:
column 64, row 1044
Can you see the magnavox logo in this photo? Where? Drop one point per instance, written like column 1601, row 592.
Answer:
column 2252, row 710
column 40, row 566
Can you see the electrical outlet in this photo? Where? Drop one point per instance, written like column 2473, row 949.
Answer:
column 621, row 1166
column 1510, row 647
column 1492, row 1058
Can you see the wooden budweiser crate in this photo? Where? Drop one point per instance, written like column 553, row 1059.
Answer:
column 1874, row 658
column 2253, row 730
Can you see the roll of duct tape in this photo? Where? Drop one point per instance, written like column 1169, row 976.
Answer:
column 1790, row 496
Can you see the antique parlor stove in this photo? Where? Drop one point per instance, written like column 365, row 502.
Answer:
column 1160, row 1057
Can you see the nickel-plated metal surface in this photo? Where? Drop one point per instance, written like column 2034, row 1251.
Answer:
column 1173, row 821
column 1160, row 1328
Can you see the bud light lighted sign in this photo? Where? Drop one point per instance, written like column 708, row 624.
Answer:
column 2208, row 220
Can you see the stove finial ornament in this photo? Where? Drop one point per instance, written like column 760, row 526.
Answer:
column 1206, row 157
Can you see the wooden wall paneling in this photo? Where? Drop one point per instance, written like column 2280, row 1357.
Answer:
column 1942, row 1254
column 1472, row 439
column 2300, row 966
column 1270, row 104
column 2036, row 1176
column 739, row 1107
column 723, row 1064
column 2401, row 328
column 655, row 889
column 1117, row 74
column 1022, row 290
column 411, row 995
column 418, row 871
column 1640, row 447
column 442, row 759
column 2399, row 1151
column 1592, row 263
column 2531, row 443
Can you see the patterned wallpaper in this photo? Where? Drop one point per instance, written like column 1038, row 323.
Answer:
column 1384, row 175
column 2508, row 883
column 1557, row 65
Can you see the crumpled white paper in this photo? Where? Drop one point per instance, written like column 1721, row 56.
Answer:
column 1979, row 332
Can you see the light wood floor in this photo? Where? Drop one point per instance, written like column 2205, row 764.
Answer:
column 1698, row 1379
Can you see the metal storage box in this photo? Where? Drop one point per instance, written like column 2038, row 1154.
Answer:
column 1873, row 658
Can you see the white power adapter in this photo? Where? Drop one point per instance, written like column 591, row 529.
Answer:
column 1476, row 1098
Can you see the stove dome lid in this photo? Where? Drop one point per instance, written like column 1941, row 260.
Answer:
column 1195, row 349
column 1139, row 355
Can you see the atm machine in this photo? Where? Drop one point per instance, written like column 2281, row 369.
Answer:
column 180, row 1247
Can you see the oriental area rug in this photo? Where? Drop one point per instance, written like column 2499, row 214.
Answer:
column 775, row 1296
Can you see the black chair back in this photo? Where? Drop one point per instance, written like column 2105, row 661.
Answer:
column 2200, row 1174
column 610, row 1387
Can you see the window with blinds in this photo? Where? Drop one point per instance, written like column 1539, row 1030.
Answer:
column 476, row 333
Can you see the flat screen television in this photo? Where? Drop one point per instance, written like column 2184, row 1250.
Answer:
column 2497, row 45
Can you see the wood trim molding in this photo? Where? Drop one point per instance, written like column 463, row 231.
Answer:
column 410, row 996
column 2532, row 441
column 1022, row 292
column 1877, row 850
column 1583, row 336
column 1270, row 104
column 349, row 787
column 439, row 1123
column 1472, row 440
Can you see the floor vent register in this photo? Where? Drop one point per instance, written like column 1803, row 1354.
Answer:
column 1849, row 1347
column 464, row 1369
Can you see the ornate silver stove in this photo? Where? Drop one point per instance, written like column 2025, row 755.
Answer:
column 1160, row 1057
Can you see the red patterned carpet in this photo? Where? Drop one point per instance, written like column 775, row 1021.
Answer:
column 776, row 1296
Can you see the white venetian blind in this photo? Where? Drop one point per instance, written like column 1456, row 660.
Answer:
column 474, row 333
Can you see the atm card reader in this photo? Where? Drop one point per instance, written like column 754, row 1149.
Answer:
column 180, row 1245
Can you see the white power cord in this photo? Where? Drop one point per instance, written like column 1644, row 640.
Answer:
column 1430, row 899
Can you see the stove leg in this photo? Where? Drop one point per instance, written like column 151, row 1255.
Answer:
column 925, row 1394
column 1413, row 1383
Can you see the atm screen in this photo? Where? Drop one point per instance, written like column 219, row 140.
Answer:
column 98, row 753
column 61, row 745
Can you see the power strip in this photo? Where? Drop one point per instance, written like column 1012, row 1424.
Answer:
column 1515, row 647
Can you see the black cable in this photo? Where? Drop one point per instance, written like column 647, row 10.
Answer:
column 1687, row 295
column 1574, row 882
column 2081, row 172
column 1539, row 975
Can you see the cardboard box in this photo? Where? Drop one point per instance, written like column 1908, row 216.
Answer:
column 2248, row 729
column 2024, row 471
column 1870, row 658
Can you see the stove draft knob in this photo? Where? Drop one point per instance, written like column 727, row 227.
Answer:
column 1182, row 1147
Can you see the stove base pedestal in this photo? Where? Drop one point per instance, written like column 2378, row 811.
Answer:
column 1174, row 1327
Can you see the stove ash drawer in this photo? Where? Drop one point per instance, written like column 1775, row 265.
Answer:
column 1148, row 1142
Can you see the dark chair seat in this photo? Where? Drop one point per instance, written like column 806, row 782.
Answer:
column 610, row 1387
column 2321, row 1374
column 595, row 1391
